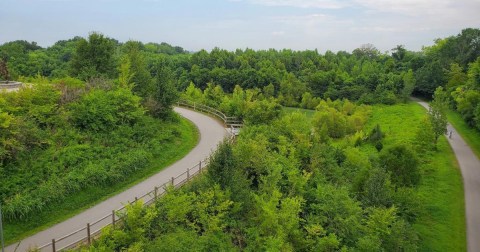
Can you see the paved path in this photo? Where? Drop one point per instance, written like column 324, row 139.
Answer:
column 470, row 167
column 211, row 133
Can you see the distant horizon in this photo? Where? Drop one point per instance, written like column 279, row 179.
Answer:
column 324, row 25
column 231, row 50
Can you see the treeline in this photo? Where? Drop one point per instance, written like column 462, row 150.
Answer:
column 365, row 75
column 289, row 183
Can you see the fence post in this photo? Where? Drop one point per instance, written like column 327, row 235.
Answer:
column 173, row 181
column 193, row 105
column 53, row 245
column 88, row 234
column 188, row 174
column 200, row 166
column 136, row 199
column 113, row 219
column 155, row 193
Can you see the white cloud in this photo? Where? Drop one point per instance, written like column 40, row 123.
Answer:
column 278, row 33
column 320, row 4
column 409, row 7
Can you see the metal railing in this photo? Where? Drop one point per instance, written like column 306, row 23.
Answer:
column 90, row 230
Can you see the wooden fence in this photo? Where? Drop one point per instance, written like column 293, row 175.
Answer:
column 85, row 235
column 233, row 123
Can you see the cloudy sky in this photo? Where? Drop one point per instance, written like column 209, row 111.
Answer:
column 259, row 24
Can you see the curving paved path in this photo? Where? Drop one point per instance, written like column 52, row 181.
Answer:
column 211, row 133
column 470, row 167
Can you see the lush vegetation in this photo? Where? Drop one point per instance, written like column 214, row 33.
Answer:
column 296, row 78
column 441, row 223
column 52, row 148
column 286, row 185
column 350, row 177
column 100, row 132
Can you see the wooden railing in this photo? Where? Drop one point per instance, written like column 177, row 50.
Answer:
column 90, row 230
column 10, row 85
column 231, row 122
column 85, row 235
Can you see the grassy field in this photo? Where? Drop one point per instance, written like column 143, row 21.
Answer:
column 471, row 136
column 442, row 226
column 60, row 211
column 307, row 112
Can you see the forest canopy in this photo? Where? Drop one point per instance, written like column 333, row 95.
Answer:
column 296, row 78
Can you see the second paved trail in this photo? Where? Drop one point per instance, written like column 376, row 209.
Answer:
column 470, row 167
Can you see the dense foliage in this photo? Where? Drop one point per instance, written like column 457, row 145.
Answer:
column 296, row 78
column 57, row 139
column 284, row 185
column 289, row 182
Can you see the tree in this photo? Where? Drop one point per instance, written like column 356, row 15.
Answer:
column 125, row 77
column 408, row 85
column 437, row 113
column 456, row 77
column 4, row 70
column 402, row 163
column 222, row 166
column 141, row 77
column 165, row 94
column 94, row 57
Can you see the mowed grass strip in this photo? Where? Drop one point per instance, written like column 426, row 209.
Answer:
column 441, row 226
column 166, row 155
column 470, row 135
column 308, row 112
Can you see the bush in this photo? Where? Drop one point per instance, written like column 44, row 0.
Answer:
column 402, row 163
column 103, row 111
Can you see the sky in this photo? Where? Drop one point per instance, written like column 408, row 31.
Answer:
column 333, row 25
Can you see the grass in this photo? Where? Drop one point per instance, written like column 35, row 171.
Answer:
column 78, row 202
column 470, row 135
column 441, row 226
column 308, row 112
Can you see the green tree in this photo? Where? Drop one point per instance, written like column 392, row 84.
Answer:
column 144, row 84
column 160, row 102
column 437, row 113
column 4, row 73
column 456, row 77
column 125, row 76
column 402, row 163
column 94, row 57
column 408, row 85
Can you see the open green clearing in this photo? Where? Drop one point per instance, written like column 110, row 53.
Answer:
column 164, row 155
column 441, row 225
column 308, row 112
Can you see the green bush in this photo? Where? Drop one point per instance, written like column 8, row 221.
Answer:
column 402, row 163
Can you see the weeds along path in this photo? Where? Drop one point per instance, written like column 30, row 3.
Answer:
column 470, row 168
column 211, row 133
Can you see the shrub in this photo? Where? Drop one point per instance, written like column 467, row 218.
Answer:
column 402, row 163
